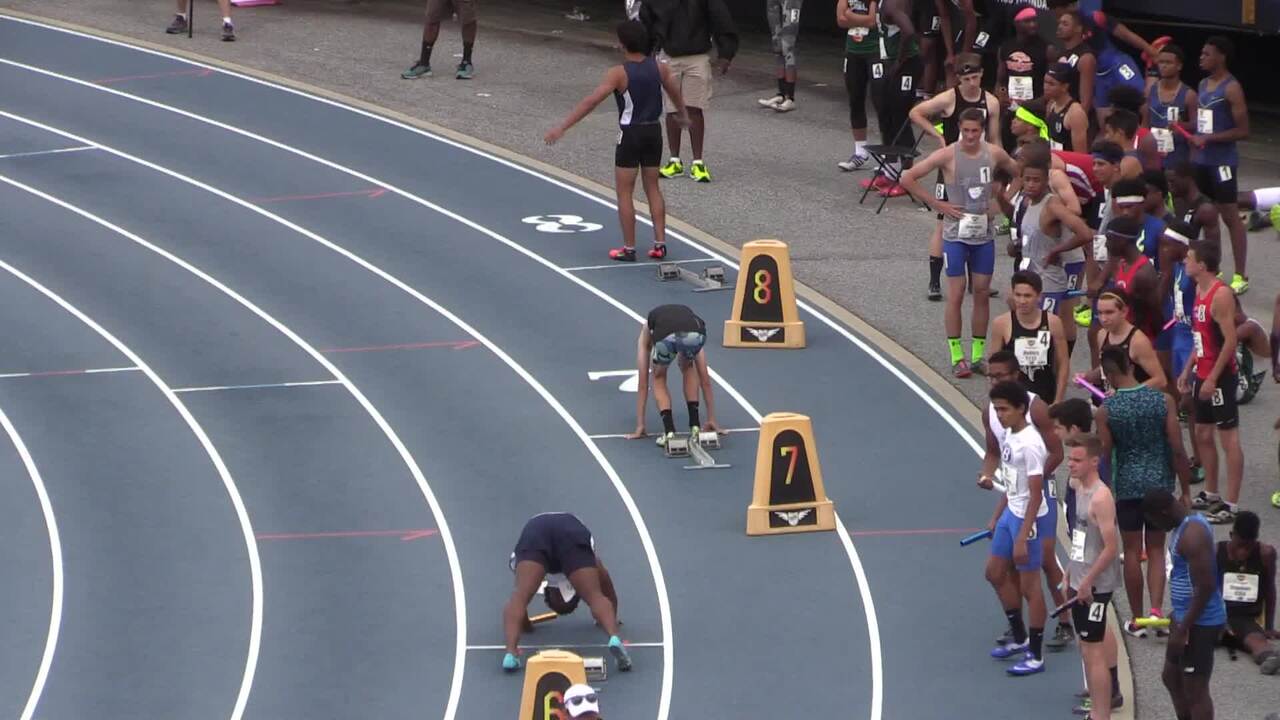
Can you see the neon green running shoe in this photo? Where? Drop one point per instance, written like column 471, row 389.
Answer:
column 1239, row 284
column 1084, row 315
column 1275, row 499
column 672, row 168
column 698, row 171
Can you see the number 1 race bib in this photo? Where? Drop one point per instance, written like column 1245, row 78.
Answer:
column 1204, row 121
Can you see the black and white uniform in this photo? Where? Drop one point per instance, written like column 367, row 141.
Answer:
column 639, row 116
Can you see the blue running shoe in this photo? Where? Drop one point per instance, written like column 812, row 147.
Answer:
column 619, row 652
column 510, row 663
column 1008, row 650
column 1028, row 666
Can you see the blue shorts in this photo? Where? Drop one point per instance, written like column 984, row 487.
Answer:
column 1183, row 345
column 962, row 257
column 1047, row 524
column 1002, row 541
column 1123, row 71
column 685, row 344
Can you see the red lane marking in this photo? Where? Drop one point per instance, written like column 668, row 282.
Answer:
column 405, row 535
column 370, row 193
column 455, row 344
column 195, row 72
column 919, row 531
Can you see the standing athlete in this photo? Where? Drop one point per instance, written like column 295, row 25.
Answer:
column 1067, row 121
column 861, row 48
column 784, row 28
column 1222, row 120
column 637, row 85
column 1213, row 368
column 1093, row 573
column 1199, row 615
column 558, row 545
column 671, row 332
column 1015, row 543
column 437, row 12
column 968, row 169
column 179, row 24
column 1035, row 336
column 1170, row 104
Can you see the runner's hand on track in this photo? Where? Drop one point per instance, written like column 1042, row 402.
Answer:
column 639, row 433
column 711, row 424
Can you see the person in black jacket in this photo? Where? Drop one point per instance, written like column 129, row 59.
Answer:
column 684, row 30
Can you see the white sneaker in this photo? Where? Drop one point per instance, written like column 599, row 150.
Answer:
column 786, row 105
column 771, row 103
column 855, row 162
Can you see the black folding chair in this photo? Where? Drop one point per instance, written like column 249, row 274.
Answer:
column 882, row 153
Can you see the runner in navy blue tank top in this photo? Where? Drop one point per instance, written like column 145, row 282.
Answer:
column 637, row 86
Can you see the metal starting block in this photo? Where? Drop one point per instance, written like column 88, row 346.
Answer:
column 704, row 459
column 711, row 278
column 676, row 447
column 709, row 439
column 597, row 671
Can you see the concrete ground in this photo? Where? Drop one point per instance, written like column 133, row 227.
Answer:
column 532, row 65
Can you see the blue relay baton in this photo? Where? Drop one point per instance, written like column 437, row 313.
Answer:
column 975, row 538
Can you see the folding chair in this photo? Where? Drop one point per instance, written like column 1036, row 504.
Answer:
column 882, row 153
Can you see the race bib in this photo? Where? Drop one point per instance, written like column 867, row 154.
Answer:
column 1055, row 145
column 1032, row 352
column 906, row 83
column 981, row 40
column 1100, row 248
column 1198, row 342
column 561, row 583
column 1164, row 140
column 1010, row 477
column 1172, row 114
column 972, row 227
column 1126, row 72
column 1077, row 546
column 1217, row 397
column 1073, row 60
column 1020, row 88
column 1225, row 173
column 877, row 71
column 1179, row 309
column 1240, row 587
column 859, row 33
column 1049, row 303
column 1204, row 121
column 936, row 24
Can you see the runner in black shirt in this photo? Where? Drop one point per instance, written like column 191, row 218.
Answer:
column 671, row 332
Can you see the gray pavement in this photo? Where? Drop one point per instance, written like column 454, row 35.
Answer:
column 844, row 250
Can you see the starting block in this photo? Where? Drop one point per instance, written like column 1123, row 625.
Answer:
column 711, row 278
column 597, row 671
column 705, row 462
column 788, row 495
column 676, row 447
column 547, row 676
column 709, row 439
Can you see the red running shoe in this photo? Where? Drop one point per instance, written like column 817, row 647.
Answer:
column 658, row 251
column 623, row 254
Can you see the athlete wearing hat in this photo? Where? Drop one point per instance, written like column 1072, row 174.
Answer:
column 556, row 546
column 582, row 702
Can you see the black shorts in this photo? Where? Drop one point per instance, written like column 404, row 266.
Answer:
column 1129, row 517
column 639, row 146
column 1091, row 620
column 1218, row 182
column 1092, row 213
column 1221, row 409
column 924, row 14
column 1241, row 627
column 559, row 542
column 1197, row 657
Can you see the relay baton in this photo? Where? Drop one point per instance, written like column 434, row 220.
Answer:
column 1157, row 622
column 1169, row 324
column 974, row 538
column 1089, row 386
column 1062, row 608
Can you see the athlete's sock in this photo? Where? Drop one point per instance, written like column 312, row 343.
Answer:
column 1115, row 681
column 226, row 20
column 668, row 424
column 466, row 51
column 789, row 90
column 1071, row 348
column 935, row 270
column 782, row 87
column 957, row 350
column 979, row 348
column 860, row 147
column 1037, row 643
column 425, row 58
column 694, row 420
column 1015, row 625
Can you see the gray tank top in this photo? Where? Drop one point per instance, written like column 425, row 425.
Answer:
column 970, row 188
column 1036, row 244
column 1086, row 546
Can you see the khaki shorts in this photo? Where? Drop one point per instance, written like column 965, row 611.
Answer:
column 441, row 10
column 693, row 74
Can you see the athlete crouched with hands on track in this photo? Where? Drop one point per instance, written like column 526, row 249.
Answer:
column 672, row 332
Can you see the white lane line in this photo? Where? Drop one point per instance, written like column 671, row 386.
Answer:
column 877, row 679
column 37, row 153
column 646, row 540
column 622, row 436
column 246, row 527
column 55, row 550
column 59, row 373
column 651, row 265
column 211, row 388
column 561, row 646
column 455, row 567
